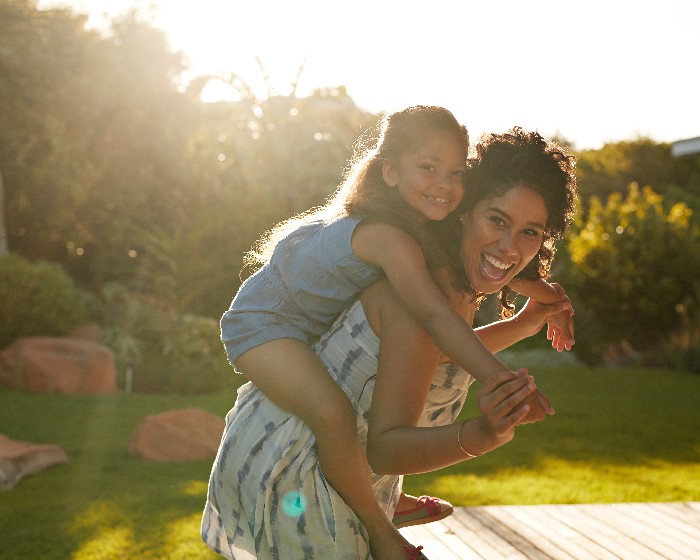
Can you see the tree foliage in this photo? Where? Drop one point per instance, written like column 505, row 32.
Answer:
column 129, row 176
column 114, row 170
column 643, row 161
column 38, row 299
column 636, row 266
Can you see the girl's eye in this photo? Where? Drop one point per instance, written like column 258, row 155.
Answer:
column 532, row 233
column 428, row 167
column 460, row 173
column 497, row 220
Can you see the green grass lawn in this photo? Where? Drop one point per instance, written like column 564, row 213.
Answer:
column 626, row 435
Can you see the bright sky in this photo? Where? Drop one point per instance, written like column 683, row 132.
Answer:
column 591, row 71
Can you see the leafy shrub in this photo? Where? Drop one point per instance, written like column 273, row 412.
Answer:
column 38, row 299
column 635, row 263
column 671, row 356
column 167, row 353
column 189, row 359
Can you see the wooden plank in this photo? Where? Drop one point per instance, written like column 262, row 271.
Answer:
column 428, row 536
column 509, row 533
column 683, row 512
column 694, row 505
column 626, row 531
column 647, row 526
column 525, row 547
column 590, row 539
column 482, row 538
column 526, row 521
column 620, row 538
column 681, row 517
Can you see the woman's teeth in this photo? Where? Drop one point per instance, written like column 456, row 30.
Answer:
column 497, row 263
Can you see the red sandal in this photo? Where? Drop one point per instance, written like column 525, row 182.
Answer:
column 427, row 510
column 414, row 552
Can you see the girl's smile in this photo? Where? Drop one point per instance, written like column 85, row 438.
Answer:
column 430, row 178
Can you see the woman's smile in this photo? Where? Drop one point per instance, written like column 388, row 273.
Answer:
column 501, row 235
column 495, row 268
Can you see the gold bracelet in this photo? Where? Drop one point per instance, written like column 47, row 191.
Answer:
column 470, row 455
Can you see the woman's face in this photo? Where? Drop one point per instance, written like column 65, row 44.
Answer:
column 501, row 236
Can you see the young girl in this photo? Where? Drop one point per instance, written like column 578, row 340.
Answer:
column 315, row 265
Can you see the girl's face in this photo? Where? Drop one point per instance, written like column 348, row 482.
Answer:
column 430, row 178
column 501, row 236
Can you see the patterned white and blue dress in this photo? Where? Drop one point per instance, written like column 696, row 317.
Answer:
column 267, row 496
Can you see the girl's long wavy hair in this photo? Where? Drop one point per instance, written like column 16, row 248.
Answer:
column 504, row 161
column 363, row 191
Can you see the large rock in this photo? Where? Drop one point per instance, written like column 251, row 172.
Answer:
column 187, row 434
column 20, row 458
column 43, row 364
column 89, row 331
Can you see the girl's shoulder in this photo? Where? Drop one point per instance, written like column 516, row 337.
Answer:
column 379, row 243
column 374, row 231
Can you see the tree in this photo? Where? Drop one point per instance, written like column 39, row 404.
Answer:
column 92, row 132
column 113, row 171
column 636, row 266
column 258, row 162
column 642, row 161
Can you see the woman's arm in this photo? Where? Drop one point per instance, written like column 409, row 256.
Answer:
column 407, row 360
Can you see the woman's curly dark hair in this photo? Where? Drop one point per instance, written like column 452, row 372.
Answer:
column 501, row 162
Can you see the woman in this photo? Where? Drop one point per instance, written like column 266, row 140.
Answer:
column 268, row 497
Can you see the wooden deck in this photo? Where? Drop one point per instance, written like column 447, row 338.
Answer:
column 626, row 531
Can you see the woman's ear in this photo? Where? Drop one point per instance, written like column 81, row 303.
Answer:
column 389, row 172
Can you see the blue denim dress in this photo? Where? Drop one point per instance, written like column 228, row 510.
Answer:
column 312, row 276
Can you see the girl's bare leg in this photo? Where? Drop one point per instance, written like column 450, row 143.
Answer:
column 289, row 373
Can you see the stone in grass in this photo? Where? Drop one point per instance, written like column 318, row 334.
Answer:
column 188, row 434
column 44, row 364
column 19, row 459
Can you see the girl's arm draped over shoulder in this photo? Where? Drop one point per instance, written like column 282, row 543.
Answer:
column 539, row 290
column 560, row 325
column 407, row 361
column 403, row 263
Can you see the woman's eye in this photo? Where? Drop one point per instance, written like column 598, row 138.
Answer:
column 532, row 233
column 460, row 173
column 428, row 167
column 497, row 220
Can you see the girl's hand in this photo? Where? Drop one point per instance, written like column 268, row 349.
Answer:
column 539, row 408
column 560, row 326
column 538, row 403
column 534, row 315
column 558, row 316
column 560, row 330
column 503, row 403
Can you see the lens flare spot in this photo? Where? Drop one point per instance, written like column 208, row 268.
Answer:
column 293, row 504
